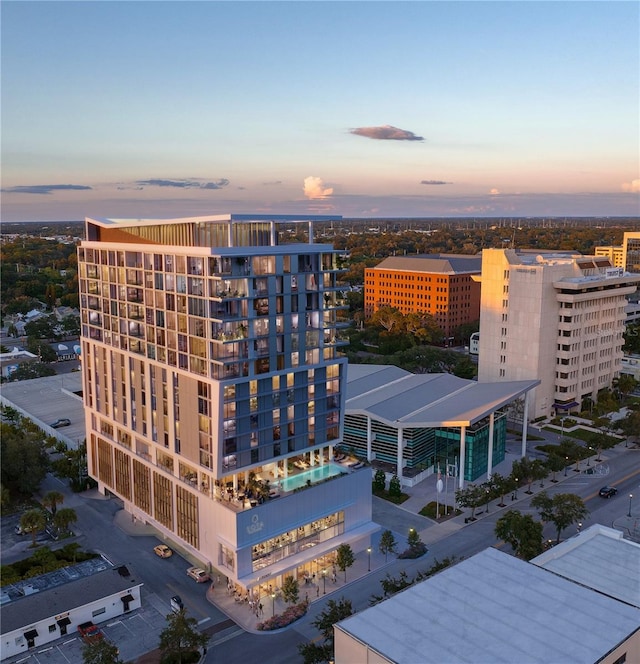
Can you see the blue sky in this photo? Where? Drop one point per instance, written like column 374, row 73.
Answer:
column 365, row 109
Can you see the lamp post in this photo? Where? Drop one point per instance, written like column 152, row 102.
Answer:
column 516, row 492
column 630, row 498
column 273, row 605
column 324, row 581
column 566, row 463
column 589, row 457
column 579, row 526
column 369, row 559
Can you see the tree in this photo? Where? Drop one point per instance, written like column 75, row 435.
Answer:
column 290, row 590
column 538, row 472
column 387, row 544
column 379, row 481
column 471, row 496
column 52, row 499
column 24, row 459
column 555, row 463
column 101, row 652
column 33, row 521
column 344, row 558
column 180, row 638
column 465, row 368
column 395, row 488
column 46, row 558
column 502, row 486
column 314, row 653
column 64, row 518
column 562, row 510
column 522, row 532
column 29, row 370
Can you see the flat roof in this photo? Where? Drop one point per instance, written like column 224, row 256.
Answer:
column 71, row 594
column 400, row 398
column 437, row 263
column 494, row 608
column 599, row 558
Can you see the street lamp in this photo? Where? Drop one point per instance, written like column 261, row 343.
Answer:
column 579, row 526
column 369, row 562
column 324, row 581
column 566, row 463
column 589, row 457
column 273, row 605
column 516, row 492
column 630, row 497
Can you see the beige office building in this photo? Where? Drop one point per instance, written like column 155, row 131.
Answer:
column 555, row 317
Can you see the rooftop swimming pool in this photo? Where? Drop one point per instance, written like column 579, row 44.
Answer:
column 313, row 474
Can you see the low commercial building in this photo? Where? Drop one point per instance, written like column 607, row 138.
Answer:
column 47, row 607
column 419, row 422
column 494, row 608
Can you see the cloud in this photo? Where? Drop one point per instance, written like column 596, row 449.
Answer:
column 633, row 186
column 184, row 184
column 494, row 191
column 44, row 188
column 434, row 182
column 268, row 184
column 386, row 133
column 314, row 188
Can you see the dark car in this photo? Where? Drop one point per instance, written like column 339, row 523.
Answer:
column 608, row 491
column 62, row 422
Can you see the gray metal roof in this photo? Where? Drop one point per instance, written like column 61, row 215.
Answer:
column 494, row 608
column 400, row 398
column 599, row 558
column 437, row 263
column 62, row 598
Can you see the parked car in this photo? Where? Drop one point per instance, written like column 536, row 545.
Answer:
column 163, row 551
column 176, row 604
column 608, row 491
column 90, row 633
column 198, row 574
column 62, row 422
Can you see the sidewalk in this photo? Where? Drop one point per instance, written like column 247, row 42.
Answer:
column 322, row 588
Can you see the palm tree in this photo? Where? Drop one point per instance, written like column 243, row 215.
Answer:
column 64, row 518
column 33, row 521
column 52, row 499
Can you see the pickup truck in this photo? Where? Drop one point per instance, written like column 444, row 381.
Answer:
column 90, row 633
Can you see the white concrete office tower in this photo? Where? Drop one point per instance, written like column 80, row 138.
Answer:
column 554, row 317
column 214, row 391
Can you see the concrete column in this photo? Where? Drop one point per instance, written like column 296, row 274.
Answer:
column 490, row 453
column 272, row 229
column 368, row 439
column 463, row 452
column 525, row 424
column 330, row 452
column 399, row 459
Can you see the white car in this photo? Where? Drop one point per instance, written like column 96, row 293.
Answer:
column 198, row 574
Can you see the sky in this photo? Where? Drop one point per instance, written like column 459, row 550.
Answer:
column 362, row 109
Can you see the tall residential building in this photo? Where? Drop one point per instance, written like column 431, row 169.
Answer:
column 554, row 317
column 440, row 284
column 214, row 389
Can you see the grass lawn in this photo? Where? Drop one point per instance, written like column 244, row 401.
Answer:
column 429, row 511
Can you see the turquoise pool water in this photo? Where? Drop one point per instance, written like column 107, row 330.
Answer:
column 313, row 474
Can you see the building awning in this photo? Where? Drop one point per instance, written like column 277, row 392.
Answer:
column 63, row 622
column 565, row 406
column 127, row 598
column 31, row 634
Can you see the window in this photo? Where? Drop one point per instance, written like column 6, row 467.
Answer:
column 98, row 612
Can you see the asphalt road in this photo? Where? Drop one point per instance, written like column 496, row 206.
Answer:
column 163, row 578
column 622, row 470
